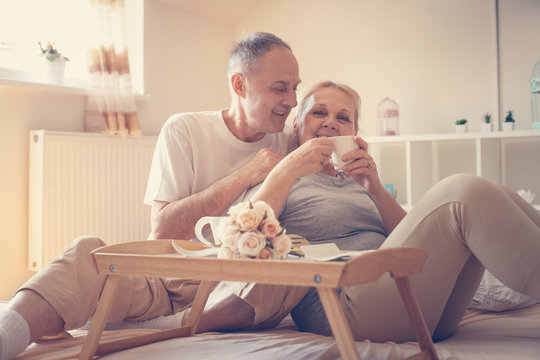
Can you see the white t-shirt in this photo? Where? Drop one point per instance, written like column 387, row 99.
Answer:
column 194, row 150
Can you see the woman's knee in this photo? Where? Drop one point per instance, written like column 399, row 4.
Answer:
column 87, row 243
column 463, row 181
column 465, row 187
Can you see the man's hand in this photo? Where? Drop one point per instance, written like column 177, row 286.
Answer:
column 256, row 170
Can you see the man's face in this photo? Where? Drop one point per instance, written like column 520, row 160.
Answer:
column 271, row 91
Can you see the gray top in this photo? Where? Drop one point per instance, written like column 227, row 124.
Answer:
column 316, row 201
column 326, row 208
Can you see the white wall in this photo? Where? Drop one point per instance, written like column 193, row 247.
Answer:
column 185, row 59
column 519, row 52
column 22, row 110
column 436, row 58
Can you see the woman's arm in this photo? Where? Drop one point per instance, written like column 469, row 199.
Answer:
column 307, row 159
column 364, row 171
column 391, row 212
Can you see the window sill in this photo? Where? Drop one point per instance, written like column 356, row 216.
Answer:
column 27, row 80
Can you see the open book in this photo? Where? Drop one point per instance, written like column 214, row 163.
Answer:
column 328, row 252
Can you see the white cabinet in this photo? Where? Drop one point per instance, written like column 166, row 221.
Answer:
column 415, row 163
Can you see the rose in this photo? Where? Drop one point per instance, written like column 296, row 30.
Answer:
column 249, row 219
column 251, row 243
column 225, row 253
column 230, row 236
column 265, row 209
column 265, row 254
column 282, row 245
column 270, row 227
column 235, row 209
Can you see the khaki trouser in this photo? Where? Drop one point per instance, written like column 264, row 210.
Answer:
column 465, row 223
column 72, row 286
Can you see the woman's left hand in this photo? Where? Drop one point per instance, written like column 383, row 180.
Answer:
column 362, row 168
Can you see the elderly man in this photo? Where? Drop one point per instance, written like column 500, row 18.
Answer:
column 203, row 163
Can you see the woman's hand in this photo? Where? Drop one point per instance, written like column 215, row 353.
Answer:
column 362, row 168
column 308, row 159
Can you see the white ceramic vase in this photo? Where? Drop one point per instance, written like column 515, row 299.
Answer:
column 508, row 126
column 487, row 127
column 55, row 71
column 461, row 128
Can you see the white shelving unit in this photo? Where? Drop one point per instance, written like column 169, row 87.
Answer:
column 415, row 163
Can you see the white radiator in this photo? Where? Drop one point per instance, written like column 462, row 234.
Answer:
column 82, row 184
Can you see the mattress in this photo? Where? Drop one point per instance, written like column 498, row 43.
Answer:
column 481, row 335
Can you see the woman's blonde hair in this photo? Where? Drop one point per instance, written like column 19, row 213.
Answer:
column 347, row 90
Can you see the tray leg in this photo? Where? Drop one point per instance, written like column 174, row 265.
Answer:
column 198, row 305
column 100, row 317
column 340, row 328
column 417, row 319
column 182, row 331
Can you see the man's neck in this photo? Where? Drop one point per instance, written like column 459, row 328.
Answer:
column 235, row 119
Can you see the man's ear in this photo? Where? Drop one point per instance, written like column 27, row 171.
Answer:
column 238, row 84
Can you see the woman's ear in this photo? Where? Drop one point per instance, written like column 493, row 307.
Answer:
column 295, row 128
column 237, row 83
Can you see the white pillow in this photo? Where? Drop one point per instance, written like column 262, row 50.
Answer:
column 493, row 295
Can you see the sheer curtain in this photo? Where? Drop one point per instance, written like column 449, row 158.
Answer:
column 111, row 105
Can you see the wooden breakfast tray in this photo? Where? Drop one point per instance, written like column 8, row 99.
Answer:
column 159, row 258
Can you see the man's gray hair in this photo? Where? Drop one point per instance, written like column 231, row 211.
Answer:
column 247, row 52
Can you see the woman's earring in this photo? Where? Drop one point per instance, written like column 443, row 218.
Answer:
column 296, row 137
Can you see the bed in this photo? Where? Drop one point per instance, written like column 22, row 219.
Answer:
column 509, row 330
column 481, row 335
column 501, row 324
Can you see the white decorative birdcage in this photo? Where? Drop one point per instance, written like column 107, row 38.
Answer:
column 387, row 117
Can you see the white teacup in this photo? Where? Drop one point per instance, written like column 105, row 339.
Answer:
column 342, row 145
column 214, row 222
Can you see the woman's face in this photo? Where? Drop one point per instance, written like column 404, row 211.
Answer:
column 329, row 112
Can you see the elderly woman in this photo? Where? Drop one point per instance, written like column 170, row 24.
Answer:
column 458, row 222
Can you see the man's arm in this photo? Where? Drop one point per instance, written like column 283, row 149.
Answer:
column 176, row 220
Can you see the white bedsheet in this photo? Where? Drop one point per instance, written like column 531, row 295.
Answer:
column 481, row 335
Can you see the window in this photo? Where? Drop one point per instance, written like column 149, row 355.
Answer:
column 69, row 25
column 25, row 23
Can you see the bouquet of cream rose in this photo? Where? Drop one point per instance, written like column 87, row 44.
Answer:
column 252, row 231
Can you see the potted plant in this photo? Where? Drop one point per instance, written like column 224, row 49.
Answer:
column 487, row 125
column 509, row 121
column 461, row 125
column 56, row 63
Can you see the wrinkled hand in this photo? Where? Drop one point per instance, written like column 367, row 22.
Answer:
column 256, row 169
column 362, row 168
column 309, row 158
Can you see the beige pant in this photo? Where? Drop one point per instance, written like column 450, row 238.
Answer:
column 72, row 286
column 465, row 223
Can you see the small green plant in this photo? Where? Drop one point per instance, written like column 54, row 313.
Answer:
column 509, row 117
column 51, row 53
column 461, row 122
column 487, row 118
